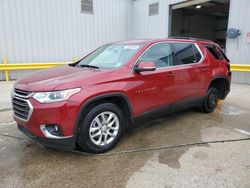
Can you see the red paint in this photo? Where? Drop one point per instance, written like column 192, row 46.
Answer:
column 145, row 90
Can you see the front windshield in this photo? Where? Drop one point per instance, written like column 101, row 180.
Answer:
column 110, row 56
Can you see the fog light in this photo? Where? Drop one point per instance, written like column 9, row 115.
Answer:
column 54, row 130
column 51, row 131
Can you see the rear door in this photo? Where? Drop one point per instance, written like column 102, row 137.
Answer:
column 189, row 71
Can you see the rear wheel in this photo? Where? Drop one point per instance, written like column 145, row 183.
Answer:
column 101, row 128
column 211, row 100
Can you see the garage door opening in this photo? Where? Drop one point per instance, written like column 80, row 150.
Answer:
column 207, row 19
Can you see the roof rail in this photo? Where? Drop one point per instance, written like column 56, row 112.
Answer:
column 189, row 38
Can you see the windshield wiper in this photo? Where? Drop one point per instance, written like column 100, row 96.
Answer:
column 89, row 66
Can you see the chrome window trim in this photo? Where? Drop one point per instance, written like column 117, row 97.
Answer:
column 198, row 48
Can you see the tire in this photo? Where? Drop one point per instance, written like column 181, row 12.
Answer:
column 96, row 126
column 210, row 102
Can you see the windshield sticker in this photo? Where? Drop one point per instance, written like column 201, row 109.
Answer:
column 118, row 64
column 131, row 47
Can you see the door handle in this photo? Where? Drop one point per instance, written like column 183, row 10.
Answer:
column 170, row 73
column 204, row 68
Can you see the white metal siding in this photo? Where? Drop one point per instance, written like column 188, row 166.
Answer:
column 145, row 26
column 47, row 31
column 238, row 50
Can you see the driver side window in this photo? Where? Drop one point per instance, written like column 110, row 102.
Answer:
column 161, row 54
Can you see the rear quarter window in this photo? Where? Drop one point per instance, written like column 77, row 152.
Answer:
column 215, row 52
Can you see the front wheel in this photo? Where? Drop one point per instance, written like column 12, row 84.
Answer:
column 211, row 100
column 101, row 128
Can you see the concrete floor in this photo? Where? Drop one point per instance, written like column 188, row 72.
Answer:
column 5, row 92
column 175, row 151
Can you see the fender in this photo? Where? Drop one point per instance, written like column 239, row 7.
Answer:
column 99, row 97
column 227, row 81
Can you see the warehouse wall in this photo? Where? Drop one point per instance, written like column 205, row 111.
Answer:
column 47, row 31
column 238, row 50
column 145, row 26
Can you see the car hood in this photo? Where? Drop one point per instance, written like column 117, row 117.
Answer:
column 57, row 77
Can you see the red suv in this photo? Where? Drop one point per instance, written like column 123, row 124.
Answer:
column 90, row 103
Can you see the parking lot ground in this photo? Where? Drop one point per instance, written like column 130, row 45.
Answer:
column 184, row 149
column 5, row 99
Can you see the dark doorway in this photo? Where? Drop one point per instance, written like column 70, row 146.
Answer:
column 207, row 20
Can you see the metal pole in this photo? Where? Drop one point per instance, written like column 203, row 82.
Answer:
column 6, row 71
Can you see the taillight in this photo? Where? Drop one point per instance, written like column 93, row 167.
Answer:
column 229, row 73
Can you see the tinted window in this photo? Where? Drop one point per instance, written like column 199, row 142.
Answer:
column 215, row 52
column 160, row 54
column 197, row 54
column 222, row 53
column 184, row 53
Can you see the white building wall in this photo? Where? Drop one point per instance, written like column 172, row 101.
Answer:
column 145, row 26
column 238, row 50
column 56, row 30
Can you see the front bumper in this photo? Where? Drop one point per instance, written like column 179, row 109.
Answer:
column 63, row 114
column 65, row 143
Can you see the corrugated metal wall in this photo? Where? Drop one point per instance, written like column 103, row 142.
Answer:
column 238, row 50
column 56, row 30
column 145, row 26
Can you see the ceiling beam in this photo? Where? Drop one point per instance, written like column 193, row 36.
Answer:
column 188, row 3
column 204, row 12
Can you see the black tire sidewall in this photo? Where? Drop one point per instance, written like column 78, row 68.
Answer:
column 205, row 105
column 84, row 140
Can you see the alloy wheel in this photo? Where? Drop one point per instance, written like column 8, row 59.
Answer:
column 104, row 128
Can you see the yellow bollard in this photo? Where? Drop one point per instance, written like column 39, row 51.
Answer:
column 220, row 101
column 219, row 104
column 6, row 71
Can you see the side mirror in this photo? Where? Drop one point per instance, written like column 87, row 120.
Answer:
column 145, row 66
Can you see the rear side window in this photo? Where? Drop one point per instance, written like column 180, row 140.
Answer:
column 185, row 53
column 160, row 54
column 215, row 52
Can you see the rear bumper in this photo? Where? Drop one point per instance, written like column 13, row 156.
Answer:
column 225, row 95
column 64, row 143
column 229, row 77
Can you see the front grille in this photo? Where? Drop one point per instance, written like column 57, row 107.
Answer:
column 21, row 106
column 22, row 93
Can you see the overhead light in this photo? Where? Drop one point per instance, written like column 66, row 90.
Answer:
column 198, row 6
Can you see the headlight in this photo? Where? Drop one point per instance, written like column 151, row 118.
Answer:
column 55, row 96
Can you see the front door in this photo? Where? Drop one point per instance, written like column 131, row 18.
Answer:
column 156, row 88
